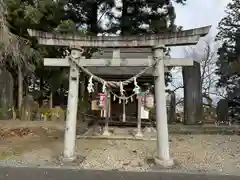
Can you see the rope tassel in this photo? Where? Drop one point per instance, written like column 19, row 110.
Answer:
column 90, row 85
column 136, row 89
column 121, row 89
column 112, row 84
column 104, row 87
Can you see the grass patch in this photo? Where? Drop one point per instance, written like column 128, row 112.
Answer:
column 7, row 154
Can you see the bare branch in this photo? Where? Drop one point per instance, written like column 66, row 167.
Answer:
column 206, row 54
column 177, row 88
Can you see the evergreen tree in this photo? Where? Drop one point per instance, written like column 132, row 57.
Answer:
column 85, row 13
column 78, row 15
column 43, row 15
column 144, row 16
column 229, row 53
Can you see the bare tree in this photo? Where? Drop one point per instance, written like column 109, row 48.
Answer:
column 205, row 53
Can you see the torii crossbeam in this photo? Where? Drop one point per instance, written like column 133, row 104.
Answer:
column 186, row 37
column 118, row 66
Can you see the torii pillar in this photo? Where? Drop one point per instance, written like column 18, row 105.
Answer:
column 72, row 107
column 163, row 155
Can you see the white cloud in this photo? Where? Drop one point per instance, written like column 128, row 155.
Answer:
column 200, row 13
column 197, row 13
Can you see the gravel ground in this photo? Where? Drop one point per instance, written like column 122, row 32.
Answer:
column 194, row 153
column 213, row 153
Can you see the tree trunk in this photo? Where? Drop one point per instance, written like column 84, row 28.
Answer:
column 124, row 18
column 6, row 94
column 193, row 108
column 172, row 108
column 92, row 18
column 51, row 99
column 20, row 88
column 41, row 84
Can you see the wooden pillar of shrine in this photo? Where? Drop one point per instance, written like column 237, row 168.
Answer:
column 107, row 104
column 139, row 133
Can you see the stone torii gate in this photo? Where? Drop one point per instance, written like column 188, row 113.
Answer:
column 156, row 42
